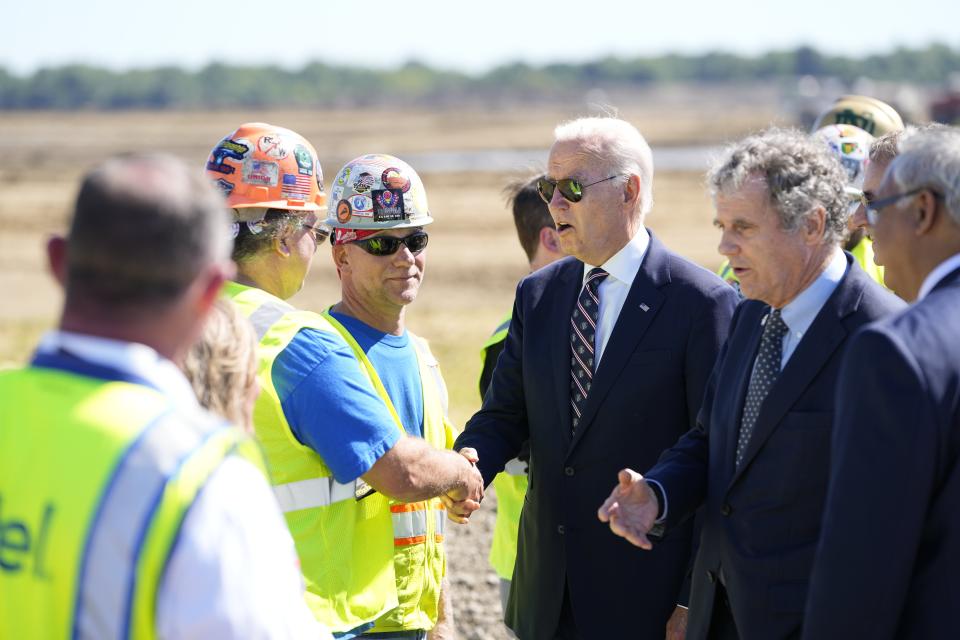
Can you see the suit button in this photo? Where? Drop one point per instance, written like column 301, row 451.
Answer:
column 711, row 576
column 560, row 529
column 726, row 510
column 569, row 471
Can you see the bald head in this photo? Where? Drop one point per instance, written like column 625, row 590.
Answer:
column 143, row 228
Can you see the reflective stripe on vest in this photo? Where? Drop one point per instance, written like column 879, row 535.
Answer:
column 410, row 523
column 316, row 492
column 266, row 315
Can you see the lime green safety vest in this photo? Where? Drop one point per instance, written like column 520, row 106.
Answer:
column 96, row 476
column 346, row 546
column 862, row 253
column 510, row 487
column 420, row 562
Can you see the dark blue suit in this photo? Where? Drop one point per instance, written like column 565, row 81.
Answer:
column 645, row 394
column 890, row 549
column 761, row 522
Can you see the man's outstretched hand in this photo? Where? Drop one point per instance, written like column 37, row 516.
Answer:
column 631, row 509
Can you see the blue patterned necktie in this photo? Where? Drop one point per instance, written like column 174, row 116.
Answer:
column 583, row 333
column 766, row 369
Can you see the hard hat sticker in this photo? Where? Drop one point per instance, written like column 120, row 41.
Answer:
column 343, row 212
column 362, row 206
column 364, row 182
column 261, row 173
column 272, row 146
column 296, row 187
column 304, row 160
column 393, row 179
column 227, row 148
column 226, row 187
column 388, row 205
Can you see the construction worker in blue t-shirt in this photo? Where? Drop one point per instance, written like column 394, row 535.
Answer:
column 351, row 411
column 538, row 237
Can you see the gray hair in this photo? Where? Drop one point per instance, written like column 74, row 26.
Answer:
column 801, row 174
column 886, row 147
column 931, row 158
column 256, row 237
column 617, row 146
column 143, row 228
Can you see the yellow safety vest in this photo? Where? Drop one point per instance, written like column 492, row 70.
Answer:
column 862, row 253
column 97, row 473
column 419, row 561
column 511, row 489
column 346, row 546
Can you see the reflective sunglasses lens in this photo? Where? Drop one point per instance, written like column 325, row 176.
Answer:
column 382, row 246
column 545, row 189
column 570, row 189
column 417, row 242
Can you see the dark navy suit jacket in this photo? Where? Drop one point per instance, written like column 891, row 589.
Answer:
column 761, row 522
column 889, row 554
column 645, row 394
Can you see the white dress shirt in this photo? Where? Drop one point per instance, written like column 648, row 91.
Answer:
column 233, row 572
column 622, row 267
column 800, row 312
column 939, row 272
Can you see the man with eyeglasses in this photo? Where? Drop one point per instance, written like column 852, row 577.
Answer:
column 379, row 250
column 757, row 462
column 604, row 365
column 343, row 470
column 894, row 483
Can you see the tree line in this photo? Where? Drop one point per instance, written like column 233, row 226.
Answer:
column 414, row 84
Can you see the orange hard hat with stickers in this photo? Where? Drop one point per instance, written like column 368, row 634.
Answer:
column 260, row 166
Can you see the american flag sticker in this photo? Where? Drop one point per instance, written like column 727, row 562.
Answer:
column 296, row 187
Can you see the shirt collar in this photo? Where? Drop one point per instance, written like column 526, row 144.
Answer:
column 800, row 312
column 624, row 264
column 129, row 357
column 939, row 272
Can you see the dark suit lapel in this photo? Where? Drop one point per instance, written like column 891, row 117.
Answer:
column 643, row 302
column 816, row 347
column 558, row 310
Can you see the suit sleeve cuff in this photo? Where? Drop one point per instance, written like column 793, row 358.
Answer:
column 662, row 503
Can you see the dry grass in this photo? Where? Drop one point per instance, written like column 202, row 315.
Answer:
column 474, row 258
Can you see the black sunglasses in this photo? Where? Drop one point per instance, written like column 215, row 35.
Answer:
column 570, row 188
column 389, row 245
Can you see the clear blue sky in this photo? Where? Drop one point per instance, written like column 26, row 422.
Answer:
column 471, row 36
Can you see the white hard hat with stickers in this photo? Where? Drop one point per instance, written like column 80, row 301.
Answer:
column 851, row 145
column 376, row 192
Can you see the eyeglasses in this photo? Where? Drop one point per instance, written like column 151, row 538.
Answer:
column 570, row 188
column 873, row 207
column 320, row 231
column 389, row 245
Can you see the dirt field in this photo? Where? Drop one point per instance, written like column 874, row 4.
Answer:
column 474, row 259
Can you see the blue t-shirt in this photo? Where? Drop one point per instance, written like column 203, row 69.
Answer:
column 395, row 359
column 332, row 407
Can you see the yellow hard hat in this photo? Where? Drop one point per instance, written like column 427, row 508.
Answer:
column 873, row 116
